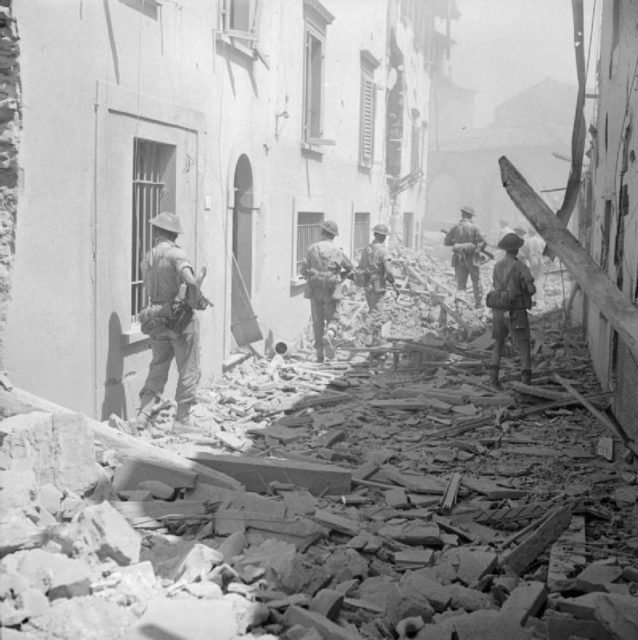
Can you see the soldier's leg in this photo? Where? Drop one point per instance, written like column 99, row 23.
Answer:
column 316, row 310
column 162, row 356
column 186, row 347
column 521, row 336
column 331, row 315
column 475, row 274
column 461, row 273
column 499, row 333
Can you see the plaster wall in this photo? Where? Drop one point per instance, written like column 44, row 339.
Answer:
column 73, row 248
column 614, row 167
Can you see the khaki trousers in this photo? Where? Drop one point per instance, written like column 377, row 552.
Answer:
column 184, row 347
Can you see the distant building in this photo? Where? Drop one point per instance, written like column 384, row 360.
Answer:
column 533, row 129
column 608, row 217
column 254, row 120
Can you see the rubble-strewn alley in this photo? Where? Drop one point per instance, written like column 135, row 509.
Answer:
column 389, row 493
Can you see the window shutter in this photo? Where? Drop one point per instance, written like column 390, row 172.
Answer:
column 367, row 121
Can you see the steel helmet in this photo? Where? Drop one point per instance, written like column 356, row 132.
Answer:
column 510, row 242
column 167, row 221
column 331, row 227
column 381, row 229
column 468, row 211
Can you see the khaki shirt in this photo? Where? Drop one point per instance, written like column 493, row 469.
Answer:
column 325, row 263
column 520, row 283
column 465, row 232
column 162, row 271
column 375, row 264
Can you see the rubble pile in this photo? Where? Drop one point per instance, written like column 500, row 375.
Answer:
column 393, row 498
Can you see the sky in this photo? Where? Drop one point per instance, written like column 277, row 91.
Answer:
column 505, row 46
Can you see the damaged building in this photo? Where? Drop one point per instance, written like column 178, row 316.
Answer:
column 241, row 116
column 608, row 220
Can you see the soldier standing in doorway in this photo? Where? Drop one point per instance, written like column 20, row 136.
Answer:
column 467, row 242
column 325, row 268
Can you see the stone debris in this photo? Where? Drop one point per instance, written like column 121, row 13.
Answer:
column 388, row 493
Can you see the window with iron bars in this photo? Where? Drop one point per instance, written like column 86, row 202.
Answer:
column 308, row 232
column 361, row 233
column 153, row 191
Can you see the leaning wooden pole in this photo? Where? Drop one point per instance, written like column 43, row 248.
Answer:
column 598, row 287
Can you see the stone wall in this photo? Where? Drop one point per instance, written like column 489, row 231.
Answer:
column 10, row 121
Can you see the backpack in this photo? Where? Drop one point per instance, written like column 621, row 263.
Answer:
column 501, row 298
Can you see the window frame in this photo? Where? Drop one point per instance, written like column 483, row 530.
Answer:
column 316, row 21
column 299, row 256
column 357, row 224
column 251, row 35
column 164, row 178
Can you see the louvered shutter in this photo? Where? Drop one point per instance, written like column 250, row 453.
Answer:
column 366, row 141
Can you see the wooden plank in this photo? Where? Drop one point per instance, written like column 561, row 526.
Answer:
column 257, row 473
column 335, row 522
column 127, row 447
column 517, row 560
column 538, row 392
column 567, row 553
column 605, row 448
column 616, row 430
column 448, row 500
column 621, row 314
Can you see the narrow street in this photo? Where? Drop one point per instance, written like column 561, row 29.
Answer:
column 366, row 497
column 318, row 320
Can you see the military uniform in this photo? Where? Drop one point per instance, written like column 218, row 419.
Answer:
column 466, row 241
column 324, row 268
column 512, row 275
column 162, row 270
column 375, row 270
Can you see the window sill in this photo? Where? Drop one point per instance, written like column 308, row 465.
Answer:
column 234, row 44
column 297, row 282
column 365, row 168
column 311, row 151
column 132, row 336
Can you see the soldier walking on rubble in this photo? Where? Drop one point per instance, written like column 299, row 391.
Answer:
column 467, row 242
column 325, row 268
column 174, row 329
column 514, row 278
column 373, row 273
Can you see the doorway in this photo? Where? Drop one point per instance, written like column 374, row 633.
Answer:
column 244, row 326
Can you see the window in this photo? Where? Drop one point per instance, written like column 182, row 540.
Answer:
column 368, row 109
column 361, row 235
column 241, row 18
column 153, row 191
column 308, row 232
column 316, row 20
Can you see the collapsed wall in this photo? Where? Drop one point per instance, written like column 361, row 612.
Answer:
column 10, row 122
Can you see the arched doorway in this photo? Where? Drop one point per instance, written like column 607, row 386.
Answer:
column 243, row 322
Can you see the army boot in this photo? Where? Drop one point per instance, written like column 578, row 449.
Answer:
column 526, row 376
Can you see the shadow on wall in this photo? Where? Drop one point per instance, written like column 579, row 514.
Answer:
column 114, row 391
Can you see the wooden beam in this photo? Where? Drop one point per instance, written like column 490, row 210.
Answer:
column 257, row 473
column 517, row 560
column 626, row 440
column 599, row 288
column 127, row 447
